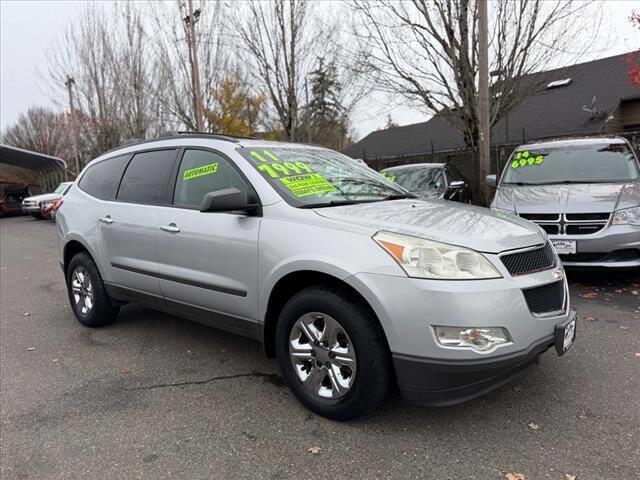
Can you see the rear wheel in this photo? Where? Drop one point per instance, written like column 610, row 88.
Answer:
column 332, row 353
column 90, row 302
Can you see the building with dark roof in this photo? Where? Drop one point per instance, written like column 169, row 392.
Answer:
column 601, row 96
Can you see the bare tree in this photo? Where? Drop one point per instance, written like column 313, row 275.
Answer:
column 107, row 53
column 426, row 50
column 279, row 38
column 41, row 130
column 175, row 88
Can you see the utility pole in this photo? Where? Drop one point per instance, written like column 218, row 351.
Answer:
column 483, row 100
column 190, row 20
column 306, row 91
column 74, row 125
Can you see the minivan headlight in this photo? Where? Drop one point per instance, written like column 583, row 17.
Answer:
column 628, row 216
column 423, row 258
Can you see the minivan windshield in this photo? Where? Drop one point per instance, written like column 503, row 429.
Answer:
column 313, row 177
column 417, row 179
column 601, row 163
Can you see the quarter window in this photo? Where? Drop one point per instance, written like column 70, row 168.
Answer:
column 145, row 179
column 202, row 172
column 101, row 180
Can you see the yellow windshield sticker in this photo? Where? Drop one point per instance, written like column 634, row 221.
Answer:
column 192, row 173
column 526, row 159
column 271, row 155
column 310, row 184
column 260, row 158
column 389, row 176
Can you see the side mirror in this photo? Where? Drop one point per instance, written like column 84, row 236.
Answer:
column 456, row 184
column 492, row 181
column 227, row 200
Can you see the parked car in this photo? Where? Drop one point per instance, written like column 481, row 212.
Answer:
column 11, row 196
column 350, row 291
column 49, row 208
column 431, row 180
column 34, row 205
column 585, row 193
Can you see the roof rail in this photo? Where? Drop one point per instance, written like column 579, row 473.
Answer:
column 178, row 134
column 221, row 136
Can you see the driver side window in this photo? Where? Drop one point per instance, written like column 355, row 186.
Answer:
column 202, row 172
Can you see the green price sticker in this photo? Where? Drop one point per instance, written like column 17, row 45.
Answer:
column 526, row 159
column 304, row 185
column 391, row 178
column 192, row 173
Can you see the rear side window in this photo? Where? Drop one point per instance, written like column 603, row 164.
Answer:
column 202, row 172
column 146, row 177
column 101, row 180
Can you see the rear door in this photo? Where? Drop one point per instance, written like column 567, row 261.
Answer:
column 209, row 260
column 128, row 226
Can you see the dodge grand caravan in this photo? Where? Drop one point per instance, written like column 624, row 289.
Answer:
column 585, row 193
column 351, row 282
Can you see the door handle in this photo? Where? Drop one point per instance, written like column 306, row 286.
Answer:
column 172, row 227
column 106, row 219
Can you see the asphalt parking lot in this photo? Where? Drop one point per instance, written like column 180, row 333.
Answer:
column 155, row 396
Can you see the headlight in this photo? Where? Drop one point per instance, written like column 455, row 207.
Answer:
column 628, row 216
column 423, row 258
column 480, row 339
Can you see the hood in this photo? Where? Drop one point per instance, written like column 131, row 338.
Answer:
column 44, row 196
column 448, row 222
column 577, row 198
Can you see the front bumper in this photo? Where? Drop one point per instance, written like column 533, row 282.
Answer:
column 615, row 246
column 441, row 383
column 431, row 374
column 31, row 209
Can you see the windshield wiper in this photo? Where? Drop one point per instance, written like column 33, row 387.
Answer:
column 399, row 196
column 336, row 203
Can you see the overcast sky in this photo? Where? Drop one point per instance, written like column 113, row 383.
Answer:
column 29, row 28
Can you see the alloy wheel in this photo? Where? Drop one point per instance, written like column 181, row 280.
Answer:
column 322, row 355
column 82, row 290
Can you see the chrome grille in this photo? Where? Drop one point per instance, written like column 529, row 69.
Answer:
column 545, row 299
column 529, row 261
column 569, row 223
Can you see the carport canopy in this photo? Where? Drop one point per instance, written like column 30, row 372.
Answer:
column 31, row 160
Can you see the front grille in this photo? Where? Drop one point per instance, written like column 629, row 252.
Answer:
column 545, row 299
column 529, row 261
column 550, row 229
column 548, row 217
column 581, row 229
column 569, row 223
column 587, row 216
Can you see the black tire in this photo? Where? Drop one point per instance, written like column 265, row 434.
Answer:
column 37, row 216
column 102, row 311
column 374, row 370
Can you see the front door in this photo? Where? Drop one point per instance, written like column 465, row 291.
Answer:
column 209, row 260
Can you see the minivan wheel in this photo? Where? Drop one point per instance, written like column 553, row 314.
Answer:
column 89, row 299
column 332, row 353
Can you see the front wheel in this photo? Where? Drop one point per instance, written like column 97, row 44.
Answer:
column 333, row 353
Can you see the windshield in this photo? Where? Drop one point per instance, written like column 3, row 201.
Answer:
column 61, row 188
column 307, row 177
column 602, row 163
column 417, row 179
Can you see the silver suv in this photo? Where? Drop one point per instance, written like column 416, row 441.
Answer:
column 345, row 277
